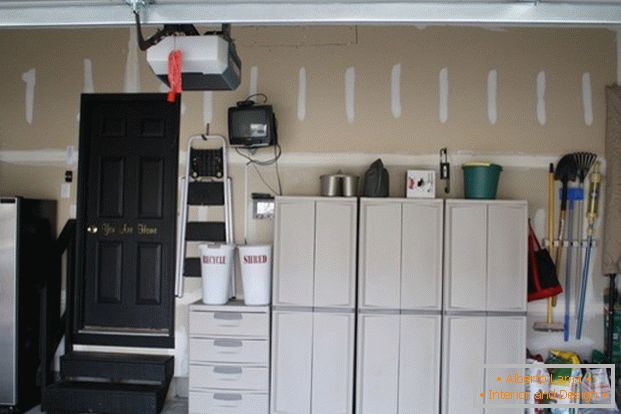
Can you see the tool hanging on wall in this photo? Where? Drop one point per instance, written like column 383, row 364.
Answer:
column 584, row 162
column 549, row 325
column 573, row 194
column 566, row 171
column 595, row 179
column 445, row 170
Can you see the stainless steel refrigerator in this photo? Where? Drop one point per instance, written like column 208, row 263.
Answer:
column 27, row 229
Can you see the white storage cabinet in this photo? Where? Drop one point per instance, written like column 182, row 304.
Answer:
column 485, row 255
column 312, row 362
column 469, row 342
column 229, row 359
column 485, row 287
column 400, row 302
column 398, row 363
column 315, row 252
column 313, row 320
column 400, row 263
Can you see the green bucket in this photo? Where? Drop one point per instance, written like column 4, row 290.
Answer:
column 481, row 180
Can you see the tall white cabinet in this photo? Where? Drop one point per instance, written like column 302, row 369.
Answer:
column 313, row 319
column 485, row 276
column 399, row 306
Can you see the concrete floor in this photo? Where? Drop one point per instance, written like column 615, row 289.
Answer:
column 174, row 406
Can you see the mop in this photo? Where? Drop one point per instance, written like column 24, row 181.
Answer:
column 594, row 185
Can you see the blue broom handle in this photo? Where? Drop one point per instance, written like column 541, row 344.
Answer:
column 583, row 287
column 570, row 231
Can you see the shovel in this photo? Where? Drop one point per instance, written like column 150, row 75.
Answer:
column 566, row 171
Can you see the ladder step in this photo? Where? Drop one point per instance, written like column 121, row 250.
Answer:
column 192, row 267
column 206, row 193
column 206, row 231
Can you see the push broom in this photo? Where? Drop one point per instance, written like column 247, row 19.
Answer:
column 545, row 257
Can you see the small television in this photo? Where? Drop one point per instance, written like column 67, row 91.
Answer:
column 252, row 125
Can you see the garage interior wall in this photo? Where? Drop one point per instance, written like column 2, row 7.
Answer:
column 526, row 95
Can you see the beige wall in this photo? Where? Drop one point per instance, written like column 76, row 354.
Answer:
column 278, row 53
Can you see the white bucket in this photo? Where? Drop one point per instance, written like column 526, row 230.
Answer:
column 256, row 273
column 216, row 265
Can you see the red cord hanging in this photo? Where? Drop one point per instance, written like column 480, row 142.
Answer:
column 174, row 74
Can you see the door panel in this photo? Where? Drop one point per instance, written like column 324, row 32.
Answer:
column 151, row 202
column 109, row 272
column 333, row 363
column 506, row 344
column 292, row 338
column 377, row 381
column 111, row 184
column 507, row 257
column 294, row 250
column 463, row 359
column 335, row 253
column 419, row 365
column 421, row 255
column 380, row 247
column 466, row 256
column 127, row 194
column 149, row 273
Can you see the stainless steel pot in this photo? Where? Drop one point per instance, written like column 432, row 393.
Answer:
column 339, row 185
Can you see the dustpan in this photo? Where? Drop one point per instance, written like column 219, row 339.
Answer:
column 542, row 279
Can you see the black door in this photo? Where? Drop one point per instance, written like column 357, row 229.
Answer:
column 126, row 220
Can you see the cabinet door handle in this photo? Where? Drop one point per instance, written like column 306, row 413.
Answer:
column 228, row 343
column 227, row 370
column 227, row 397
column 228, row 316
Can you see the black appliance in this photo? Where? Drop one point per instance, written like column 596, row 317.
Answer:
column 252, row 125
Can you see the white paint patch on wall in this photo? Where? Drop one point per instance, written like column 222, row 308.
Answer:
column 492, row 95
column 350, row 86
column 587, row 99
column 132, row 70
column 254, row 79
column 302, row 94
column 89, row 87
column 395, row 91
column 30, row 78
column 541, row 97
column 443, row 90
column 207, row 107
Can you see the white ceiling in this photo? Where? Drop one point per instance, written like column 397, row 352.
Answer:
column 68, row 13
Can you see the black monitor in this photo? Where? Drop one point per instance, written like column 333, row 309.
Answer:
column 252, row 125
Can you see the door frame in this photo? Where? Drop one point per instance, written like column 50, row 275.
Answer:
column 132, row 339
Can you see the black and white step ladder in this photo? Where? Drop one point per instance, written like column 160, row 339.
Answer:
column 206, row 183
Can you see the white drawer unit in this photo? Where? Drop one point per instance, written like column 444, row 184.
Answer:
column 228, row 402
column 229, row 359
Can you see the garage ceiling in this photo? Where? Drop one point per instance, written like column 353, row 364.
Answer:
column 67, row 13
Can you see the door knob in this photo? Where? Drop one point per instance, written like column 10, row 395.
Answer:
column 92, row 229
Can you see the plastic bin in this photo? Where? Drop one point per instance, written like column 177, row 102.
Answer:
column 481, row 179
column 216, row 267
column 256, row 273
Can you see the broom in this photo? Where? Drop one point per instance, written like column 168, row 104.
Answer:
column 549, row 324
column 584, row 162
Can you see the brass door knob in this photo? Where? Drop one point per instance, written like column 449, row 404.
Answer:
column 92, row 229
